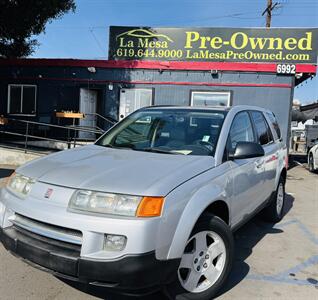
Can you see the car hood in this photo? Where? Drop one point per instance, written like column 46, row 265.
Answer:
column 117, row 170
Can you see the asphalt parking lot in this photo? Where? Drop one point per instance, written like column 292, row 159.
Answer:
column 272, row 262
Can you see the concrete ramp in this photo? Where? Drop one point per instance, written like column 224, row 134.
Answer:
column 17, row 157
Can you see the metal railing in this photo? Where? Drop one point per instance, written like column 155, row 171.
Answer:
column 107, row 119
column 69, row 136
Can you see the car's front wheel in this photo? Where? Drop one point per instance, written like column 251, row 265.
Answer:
column 206, row 261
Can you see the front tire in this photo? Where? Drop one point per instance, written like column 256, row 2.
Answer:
column 206, row 261
column 274, row 212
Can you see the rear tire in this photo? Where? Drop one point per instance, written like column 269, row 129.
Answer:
column 274, row 212
column 311, row 163
column 206, row 262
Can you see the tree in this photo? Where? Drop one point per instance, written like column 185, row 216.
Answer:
column 21, row 20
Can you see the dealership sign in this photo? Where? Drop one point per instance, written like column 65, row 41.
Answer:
column 288, row 45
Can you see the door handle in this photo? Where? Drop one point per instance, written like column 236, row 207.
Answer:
column 259, row 164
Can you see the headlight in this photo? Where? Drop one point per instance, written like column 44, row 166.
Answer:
column 116, row 204
column 20, row 184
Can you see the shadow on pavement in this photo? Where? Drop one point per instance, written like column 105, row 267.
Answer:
column 245, row 239
column 295, row 159
column 104, row 293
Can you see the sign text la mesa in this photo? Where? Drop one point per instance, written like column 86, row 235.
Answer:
column 142, row 42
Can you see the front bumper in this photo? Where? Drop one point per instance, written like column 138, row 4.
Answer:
column 141, row 233
column 129, row 273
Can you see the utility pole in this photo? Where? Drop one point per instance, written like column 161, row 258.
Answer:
column 269, row 13
column 270, row 7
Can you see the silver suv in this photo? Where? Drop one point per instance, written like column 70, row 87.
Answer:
column 152, row 204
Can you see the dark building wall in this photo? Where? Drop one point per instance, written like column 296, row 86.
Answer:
column 58, row 88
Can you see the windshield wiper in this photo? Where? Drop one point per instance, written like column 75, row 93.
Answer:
column 107, row 146
column 158, row 150
column 150, row 149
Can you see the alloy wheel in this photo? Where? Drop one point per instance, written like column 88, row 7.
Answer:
column 202, row 262
column 280, row 198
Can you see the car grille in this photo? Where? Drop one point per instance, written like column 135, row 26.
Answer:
column 47, row 230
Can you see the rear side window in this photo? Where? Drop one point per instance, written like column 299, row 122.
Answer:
column 241, row 130
column 274, row 123
column 263, row 131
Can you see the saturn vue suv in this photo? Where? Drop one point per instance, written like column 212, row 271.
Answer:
column 153, row 204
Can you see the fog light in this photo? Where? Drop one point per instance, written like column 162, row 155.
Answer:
column 114, row 242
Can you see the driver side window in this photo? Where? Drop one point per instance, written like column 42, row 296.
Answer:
column 241, row 131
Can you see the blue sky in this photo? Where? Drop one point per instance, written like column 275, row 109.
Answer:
column 84, row 34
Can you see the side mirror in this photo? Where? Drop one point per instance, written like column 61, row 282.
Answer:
column 245, row 150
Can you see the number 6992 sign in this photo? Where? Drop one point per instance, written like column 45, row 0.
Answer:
column 286, row 69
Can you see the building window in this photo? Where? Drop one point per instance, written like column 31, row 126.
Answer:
column 133, row 99
column 21, row 99
column 200, row 98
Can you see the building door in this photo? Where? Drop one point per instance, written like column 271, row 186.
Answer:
column 88, row 105
column 133, row 99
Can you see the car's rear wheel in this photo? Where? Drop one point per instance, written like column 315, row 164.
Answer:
column 206, row 261
column 274, row 212
column 311, row 162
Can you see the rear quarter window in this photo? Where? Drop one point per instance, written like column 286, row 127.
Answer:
column 275, row 124
column 263, row 131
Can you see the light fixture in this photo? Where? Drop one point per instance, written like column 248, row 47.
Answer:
column 298, row 75
column 91, row 69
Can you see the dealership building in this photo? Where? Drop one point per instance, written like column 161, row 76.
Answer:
column 184, row 70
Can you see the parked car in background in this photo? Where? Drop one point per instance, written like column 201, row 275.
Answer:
column 311, row 132
column 153, row 203
column 313, row 157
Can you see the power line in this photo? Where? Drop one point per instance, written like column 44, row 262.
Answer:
column 187, row 21
column 174, row 21
column 91, row 30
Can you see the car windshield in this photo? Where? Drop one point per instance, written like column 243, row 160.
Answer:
column 171, row 131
